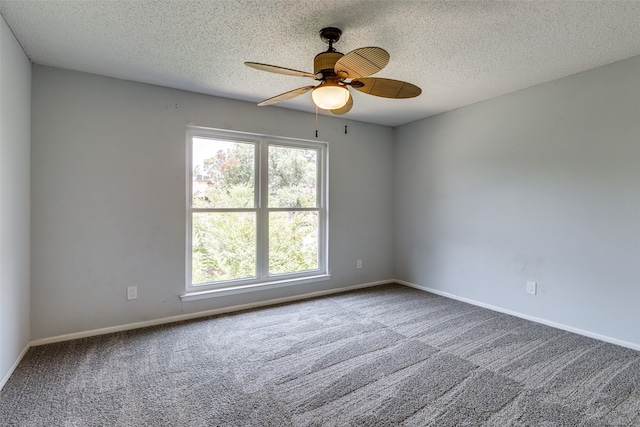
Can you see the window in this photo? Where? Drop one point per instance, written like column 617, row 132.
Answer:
column 256, row 210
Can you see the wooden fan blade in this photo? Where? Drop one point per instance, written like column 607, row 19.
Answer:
column 286, row 95
column 387, row 88
column 344, row 110
column 361, row 62
column 278, row 70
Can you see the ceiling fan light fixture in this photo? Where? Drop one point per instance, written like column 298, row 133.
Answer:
column 336, row 72
column 330, row 96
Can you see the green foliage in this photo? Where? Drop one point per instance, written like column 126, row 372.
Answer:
column 224, row 246
column 224, row 243
column 227, row 178
column 292, row 177
column 293, row 238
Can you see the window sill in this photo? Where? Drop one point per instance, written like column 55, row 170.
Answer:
column 234, row 290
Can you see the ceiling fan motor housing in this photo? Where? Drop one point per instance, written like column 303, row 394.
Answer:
column 325, row 62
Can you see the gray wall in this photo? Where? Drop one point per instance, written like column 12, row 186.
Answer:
column 15, row 126
column 541, row 185
column 108, row 198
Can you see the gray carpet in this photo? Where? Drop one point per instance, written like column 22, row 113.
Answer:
column 384, row 356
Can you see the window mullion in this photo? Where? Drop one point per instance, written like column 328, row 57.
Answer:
column 262, row 175
column 294, row 209
column 323, row 202
column 223, row 210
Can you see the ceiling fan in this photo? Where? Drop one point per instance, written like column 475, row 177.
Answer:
column 336, row 72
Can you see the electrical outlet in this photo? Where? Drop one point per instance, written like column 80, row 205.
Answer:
column 132, row 292
column 359, row 263
column 532, row 288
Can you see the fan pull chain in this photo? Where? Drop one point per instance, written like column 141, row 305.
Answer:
column 345, row 124
column 316, row 121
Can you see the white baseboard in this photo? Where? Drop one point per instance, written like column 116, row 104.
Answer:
column 561, row 326
column 182, row 317
column 14, row 366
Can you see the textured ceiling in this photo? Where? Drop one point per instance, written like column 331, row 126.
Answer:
column 458, row 52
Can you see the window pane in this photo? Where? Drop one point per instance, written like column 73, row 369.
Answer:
column 223, row 246
column 293, row 242
column 223, row 174
column 292, row 177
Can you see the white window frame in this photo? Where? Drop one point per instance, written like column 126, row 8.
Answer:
column 263, row 279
